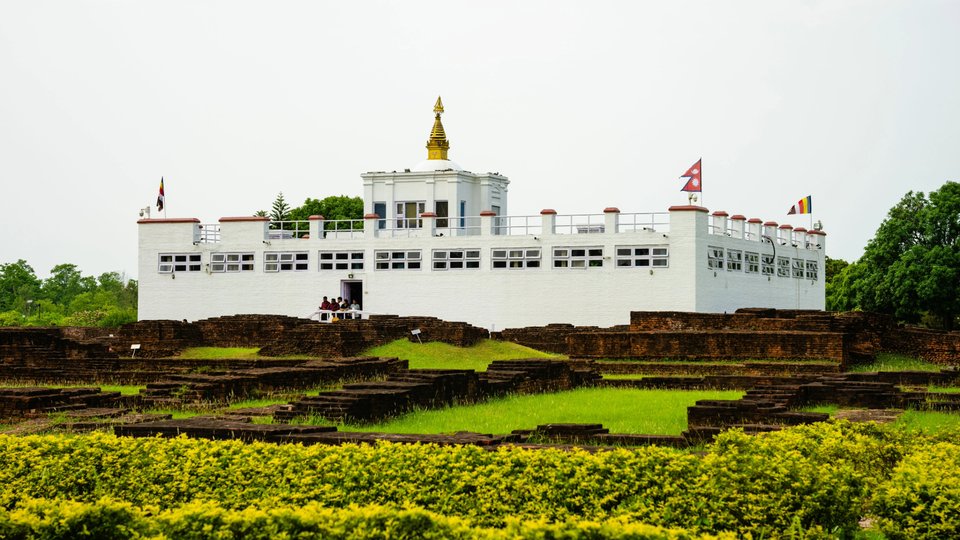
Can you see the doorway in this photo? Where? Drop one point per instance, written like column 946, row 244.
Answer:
column 352, row 290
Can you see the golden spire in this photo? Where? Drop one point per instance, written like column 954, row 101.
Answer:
column 438, row 145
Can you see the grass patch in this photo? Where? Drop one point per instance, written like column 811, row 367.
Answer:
column 928, row 422
column 829, row 409
column 175, row 413
column 216, row 353
column 944, row 389
column 621, row 410
column 263, row 402
column 624, row 376
column 436, row 355
column 124, row 389
column 896, row 362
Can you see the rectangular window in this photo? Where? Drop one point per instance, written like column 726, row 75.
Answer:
column 714, row 258
column 442, row 209
column 578, row 257
column 642, row 257
column 286, row 261
column 178, row 262
column 456, row 259
column 380, row 209
column 734, row 260
column 812, row 270
column 766, row 264
column 753, row 262
column 783, row 267
column 515, row 258
column 798, row 268
column 463, row 214
column 341, row 260
column 231, row 262
column 408, row 214
column 397, row 260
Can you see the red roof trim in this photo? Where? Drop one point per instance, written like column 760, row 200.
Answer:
column 243, row 218
column 169, row 220
column 687, row 208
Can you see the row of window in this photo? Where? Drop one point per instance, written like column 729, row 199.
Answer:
column 735, row 260
column 443, row 259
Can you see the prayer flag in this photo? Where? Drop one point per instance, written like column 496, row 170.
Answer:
column 160, row 198
column 803, row 206
column 693, row 177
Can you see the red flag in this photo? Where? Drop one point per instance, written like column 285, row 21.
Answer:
column 693, row 177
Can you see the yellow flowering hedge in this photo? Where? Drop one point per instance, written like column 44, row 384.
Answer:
column 108, row 519
column 813, row 478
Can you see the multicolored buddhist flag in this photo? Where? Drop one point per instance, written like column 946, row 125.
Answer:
column 160, row 198
column 693, row 178
column 803, row 206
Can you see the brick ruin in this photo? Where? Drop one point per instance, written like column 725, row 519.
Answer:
column 58, row 355
column 823, row 342
column 747, row 334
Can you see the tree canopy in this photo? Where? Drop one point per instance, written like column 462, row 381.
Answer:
column 334, row 207
column 911, row 267
column 66, row 298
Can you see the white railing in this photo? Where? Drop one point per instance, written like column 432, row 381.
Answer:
column 648, row 221
column 342, row 228
column 328, row 316
column 580, row 224
column 283, row 230
column 208, row 233
column 518, row 225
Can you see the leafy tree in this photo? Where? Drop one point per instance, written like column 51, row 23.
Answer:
column 280, row 209
column 332, row 208
column 911, row 267
column 65, row 283
column 18, row 283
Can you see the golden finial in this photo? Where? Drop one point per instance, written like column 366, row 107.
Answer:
column 438, row 145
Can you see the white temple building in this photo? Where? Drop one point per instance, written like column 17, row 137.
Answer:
column 438, row 240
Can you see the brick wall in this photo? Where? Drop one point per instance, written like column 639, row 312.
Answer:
column 709, row 345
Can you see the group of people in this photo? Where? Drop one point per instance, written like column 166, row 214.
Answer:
column 338, row 304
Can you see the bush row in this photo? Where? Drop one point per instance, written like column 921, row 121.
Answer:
column 108, row 520
column 817, row 478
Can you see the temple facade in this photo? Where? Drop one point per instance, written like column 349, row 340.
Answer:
column 438, row 240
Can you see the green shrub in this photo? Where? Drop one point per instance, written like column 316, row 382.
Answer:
column 107, row 519
column 922, row 497
column 814, row 479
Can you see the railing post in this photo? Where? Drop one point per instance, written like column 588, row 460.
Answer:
column 370, row 225
column 754, row 227
column 611, row 220
column 737, row 224
column 429, row 221
column 719, row 222
column 786, row 234
column 770, row 230
column 316, row 227
column 487, row 218
column 548, row 221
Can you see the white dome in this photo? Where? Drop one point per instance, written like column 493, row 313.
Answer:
column 436, row 165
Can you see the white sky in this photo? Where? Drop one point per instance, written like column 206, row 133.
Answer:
column 582, row 105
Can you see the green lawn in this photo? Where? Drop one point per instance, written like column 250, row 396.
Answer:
column 929, row 422
column 896, row 362
column 436, row 355
column 233, row 353
column 654, row 412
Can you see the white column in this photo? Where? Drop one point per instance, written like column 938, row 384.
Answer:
column 548, row 221
column 611, row 220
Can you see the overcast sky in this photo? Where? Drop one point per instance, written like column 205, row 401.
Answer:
column 582, row 105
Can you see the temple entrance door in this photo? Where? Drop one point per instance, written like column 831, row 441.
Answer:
column 352, row 290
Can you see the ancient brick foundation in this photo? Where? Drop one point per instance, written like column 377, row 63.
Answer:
column 747, row 334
